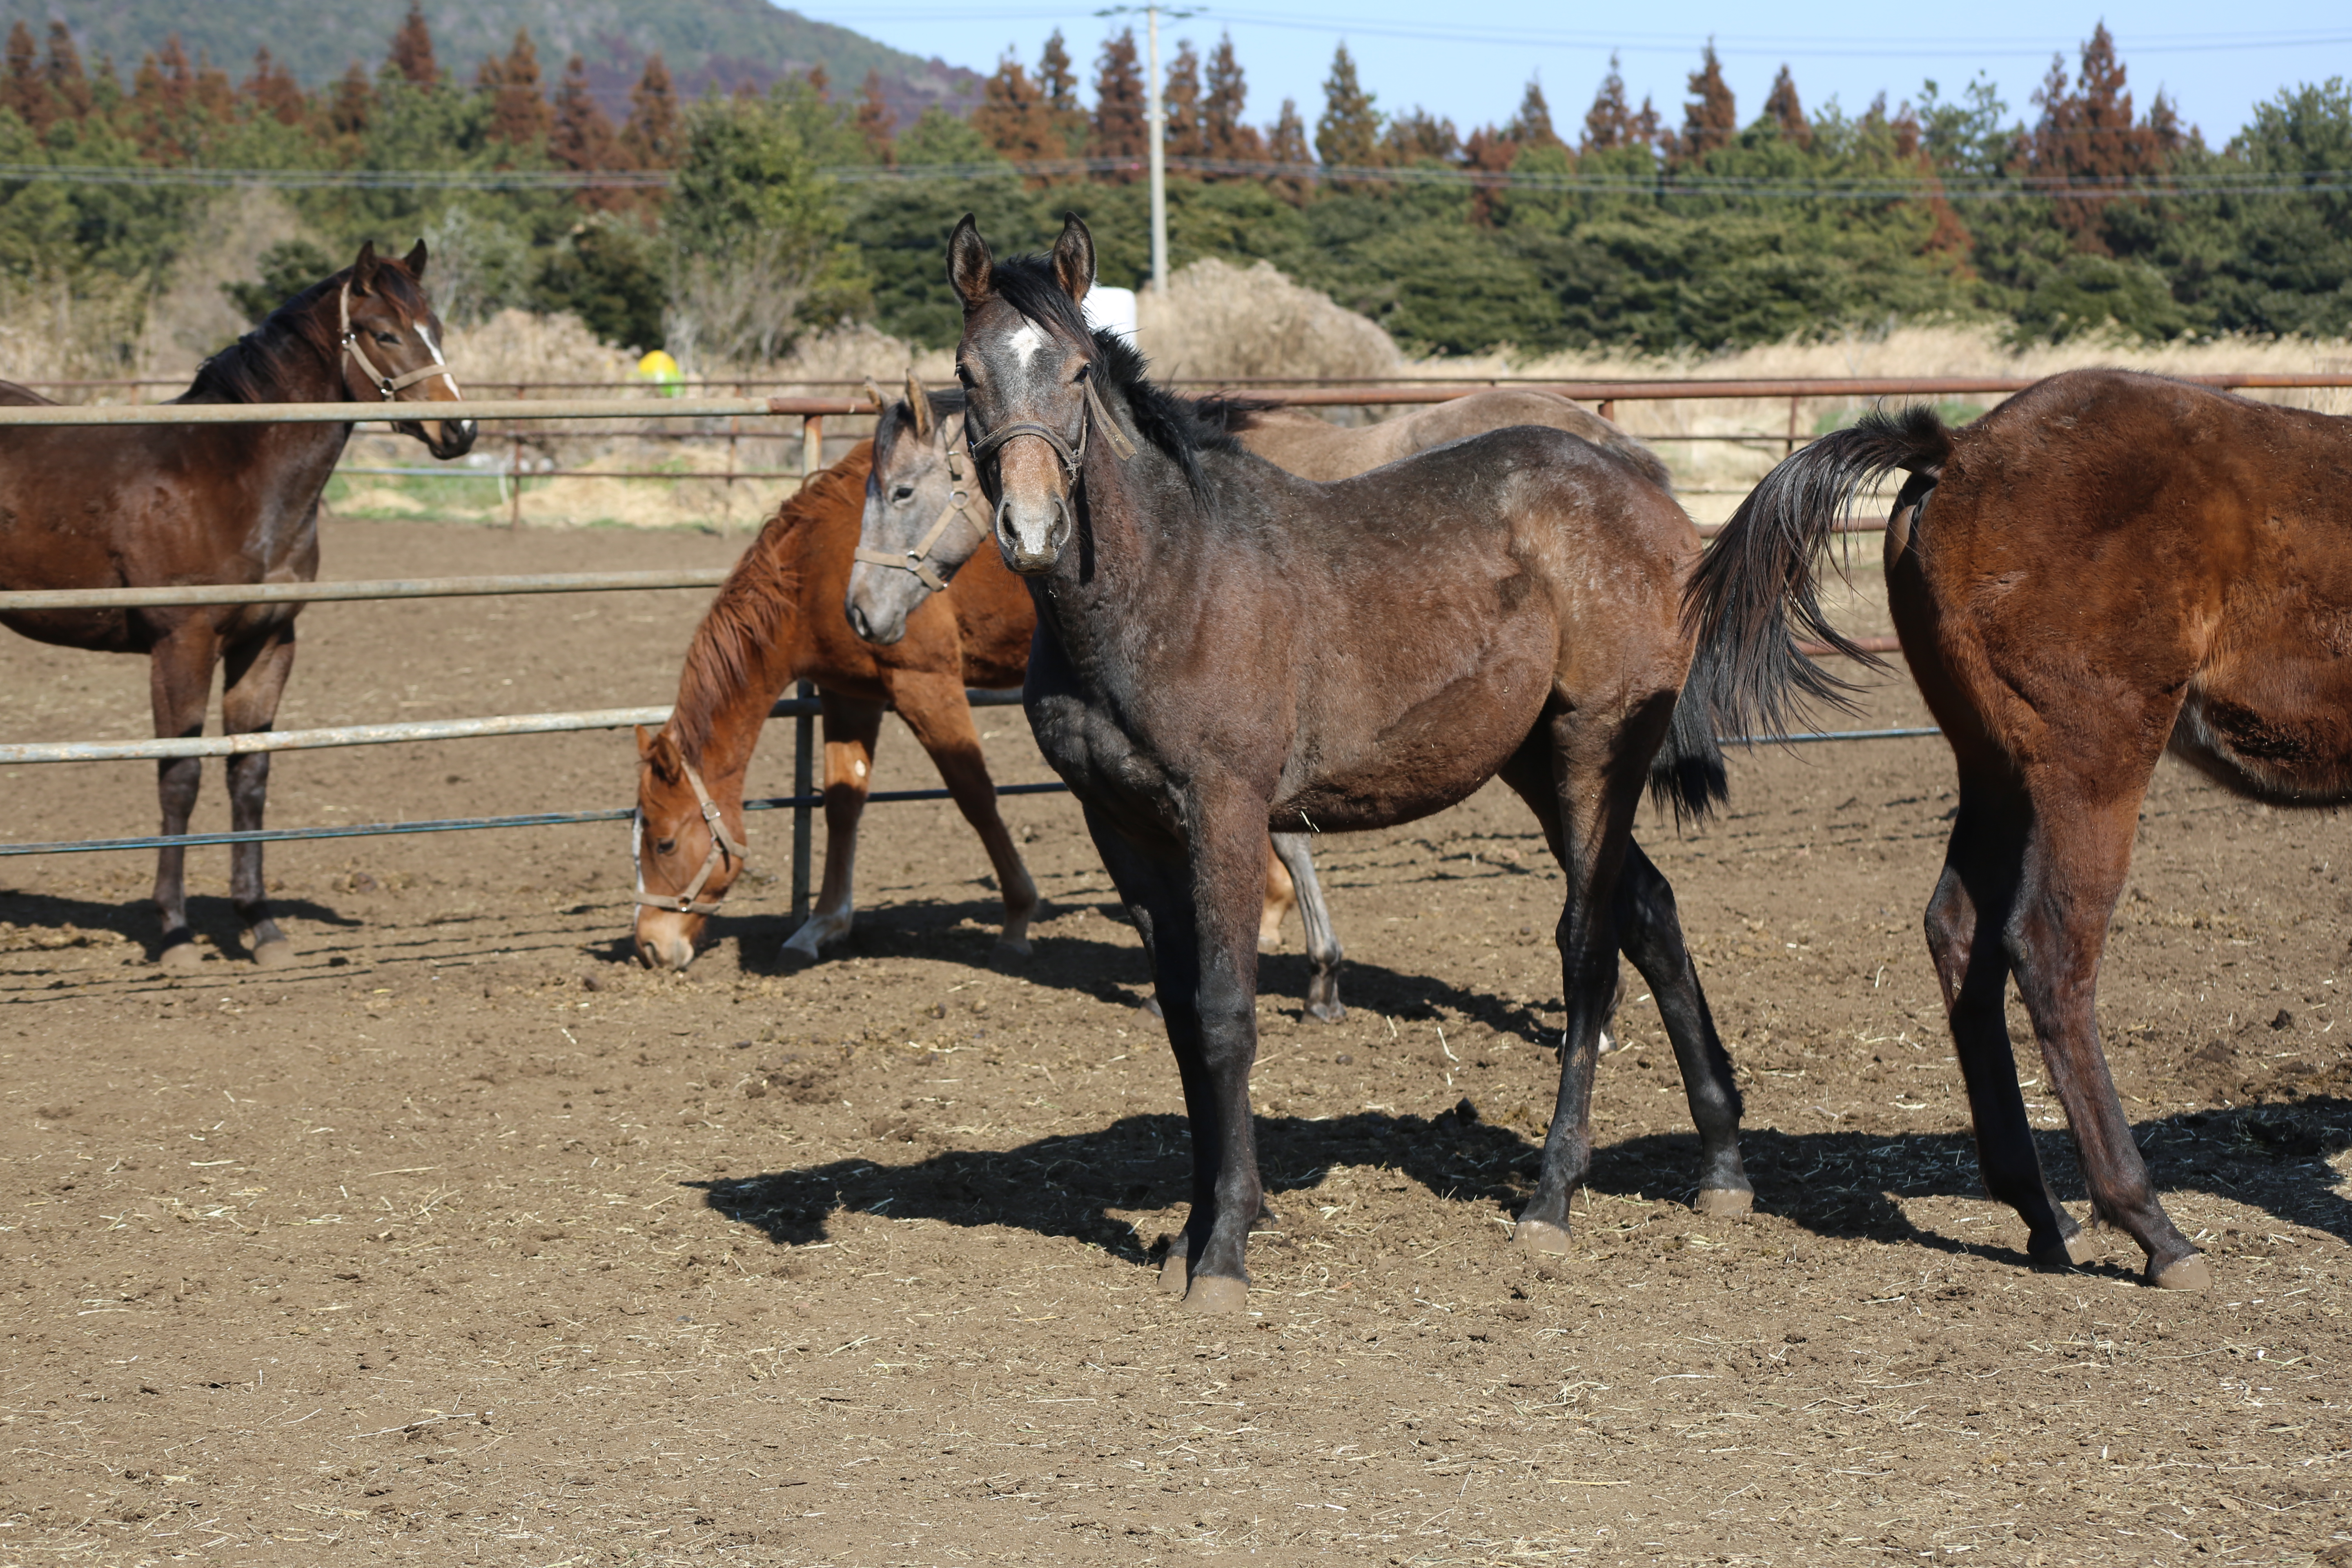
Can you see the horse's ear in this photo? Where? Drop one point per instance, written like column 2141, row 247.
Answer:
column 363, row 269
column 1074, row 259
column 970, row 271
column 662, row 756
column 644, row 743
column 920, row 401
column 416, row 260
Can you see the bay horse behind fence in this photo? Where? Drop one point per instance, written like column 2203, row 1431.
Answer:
column 1223, row 648
column 2106, row 566
column 152, row 506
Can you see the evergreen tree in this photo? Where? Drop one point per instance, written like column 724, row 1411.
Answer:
column 273, row 91
column 22, row 89
column 582, row 138
column 1118, row 129
column 1057, row 78
column 518, row 112
column 1783, row 109
column 874, row 122
column 820, row 84
column 214, row 98
column 1349, row 133
column 354, row 99
column 1531, row 126
column 1417, row 136
column 2087, row 137
column 1609, row 123
column 67, row 78
column 1225, row 135
column 412, row 49
column 1710, row 118
column 1286, row 145
column 651, row 136
column 1013, row 118
column 1179, row 100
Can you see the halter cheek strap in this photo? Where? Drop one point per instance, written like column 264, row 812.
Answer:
column 1072, row 453
column 385, row 385
column 917, row 559
column 722, row 845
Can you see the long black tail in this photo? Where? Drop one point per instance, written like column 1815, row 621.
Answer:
column 1687, row 776
column 1759, row 584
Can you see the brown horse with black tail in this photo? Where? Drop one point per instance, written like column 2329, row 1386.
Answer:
column 166, row 505
column 2107, row 566
column 1223, row 648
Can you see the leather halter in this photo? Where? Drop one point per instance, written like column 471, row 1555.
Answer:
column 385, row 384
column 1073, row 454
column 917, row 559
column 722, row 847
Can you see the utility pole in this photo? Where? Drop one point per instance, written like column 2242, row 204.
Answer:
column 1155, row 119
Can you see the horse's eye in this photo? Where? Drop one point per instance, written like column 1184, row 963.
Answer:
column 389, row 338
column 1081, row 376
column 902, row 495
column 964, row 374
column 665, row 847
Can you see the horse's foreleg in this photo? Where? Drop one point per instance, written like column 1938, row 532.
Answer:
column 180, row 681
column 851, row 730
column 1652, row 931
column 253, row 680
column 1281, row 897
column 2078, row 851
column 937, row 710
column 1323, row 953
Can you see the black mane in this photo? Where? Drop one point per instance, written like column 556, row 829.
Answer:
column 255, row 368
column 1183, row 427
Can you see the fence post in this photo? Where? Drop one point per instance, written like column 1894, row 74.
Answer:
column 514, row 513
column 1790, row 450
column 1609, row 408
column 803, row 742
column 812, row 448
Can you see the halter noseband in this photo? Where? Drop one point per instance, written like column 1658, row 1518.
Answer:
column 721, row 846
column 1073, row 454
column 384, row 385
column 918, row 560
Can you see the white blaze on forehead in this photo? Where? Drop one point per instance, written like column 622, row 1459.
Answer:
column 1027, row 342
column 447, row 374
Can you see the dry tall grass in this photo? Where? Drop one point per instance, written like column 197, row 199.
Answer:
column 1222, row 322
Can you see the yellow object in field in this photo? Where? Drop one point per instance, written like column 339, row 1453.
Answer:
column 662, row 371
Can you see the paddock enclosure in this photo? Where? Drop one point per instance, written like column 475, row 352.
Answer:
column 465, row 1240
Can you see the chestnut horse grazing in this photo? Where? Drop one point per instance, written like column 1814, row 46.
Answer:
column 162, row 505
column 1224, row 648
column 777, row 619
column 2106, row 566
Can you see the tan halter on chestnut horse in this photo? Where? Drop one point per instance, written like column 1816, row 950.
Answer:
column 155, row 505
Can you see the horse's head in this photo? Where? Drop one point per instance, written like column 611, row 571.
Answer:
column 688, row 851
column 924, row 516
column 391, row 345
column 1025, row 362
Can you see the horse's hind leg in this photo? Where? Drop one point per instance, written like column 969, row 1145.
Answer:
column 253, row 680
column 1973, row 897
column 1281, row 897
column 937, row 710
column 180, row 682
column 1652, row 933
column 850, row 728
column 2077, row 850
column 1322, row 942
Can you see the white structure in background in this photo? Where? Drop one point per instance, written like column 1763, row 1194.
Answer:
column 1112, row 308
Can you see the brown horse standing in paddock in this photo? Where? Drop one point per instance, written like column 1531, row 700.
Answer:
column 777, row 619
column 161, row 505
column 1224, row 648
column 2105, row 566
column 923, row 525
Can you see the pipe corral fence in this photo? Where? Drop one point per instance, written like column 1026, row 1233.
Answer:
column 803, row 707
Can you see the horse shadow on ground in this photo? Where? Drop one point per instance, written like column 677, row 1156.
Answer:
column 1108, row 969
column 136, row 920
column 1839, row 1185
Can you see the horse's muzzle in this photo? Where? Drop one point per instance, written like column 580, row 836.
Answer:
column 1031, row 535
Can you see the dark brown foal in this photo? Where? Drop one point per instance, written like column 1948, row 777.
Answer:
column 2105, row 566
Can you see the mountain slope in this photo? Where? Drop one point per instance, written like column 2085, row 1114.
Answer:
column 716, row 44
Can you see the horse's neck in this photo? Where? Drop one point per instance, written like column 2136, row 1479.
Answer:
column 1092, row 593
column 737, row 711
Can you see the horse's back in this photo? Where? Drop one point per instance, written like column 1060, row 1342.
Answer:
column 20, row 396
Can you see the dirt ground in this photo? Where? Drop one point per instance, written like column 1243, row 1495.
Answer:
column 467, row 1240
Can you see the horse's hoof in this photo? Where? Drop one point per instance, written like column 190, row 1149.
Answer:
column 1608, row 1044
column 2190, row 1273
column 1216, row 1293
column 1329, row 1011
column 1725, row 1203
column 1010, row 949
column 180, row 955
column 794, row 950
column 1269, row 941
column 1175, row 1271
column 278, row 955
column 1150, row 1005
column 2067, row 1252
column 1541, row 1236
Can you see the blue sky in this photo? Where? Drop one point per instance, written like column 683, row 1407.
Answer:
column 1470, row 62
